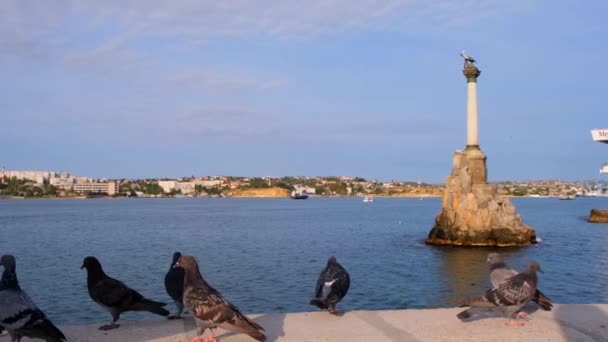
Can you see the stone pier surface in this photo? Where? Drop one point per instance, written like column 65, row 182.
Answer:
column 568, row 322
column 598, row 216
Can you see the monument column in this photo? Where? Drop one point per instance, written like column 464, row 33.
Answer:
column 472, row 212
column 476, row 157
column 471, row 73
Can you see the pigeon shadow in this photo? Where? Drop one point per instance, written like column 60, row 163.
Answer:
column 272, row 323
column 583, row 322
column 530, row 308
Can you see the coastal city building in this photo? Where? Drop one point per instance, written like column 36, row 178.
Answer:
column 109, row 188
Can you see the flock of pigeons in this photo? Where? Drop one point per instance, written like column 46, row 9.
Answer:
column 184, row 283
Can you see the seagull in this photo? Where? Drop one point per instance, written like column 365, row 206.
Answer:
column 508, row 297
column 467, row 57
column 499, row 272
column 18, row 313
column 115, row 296
column 332, row 286
column 210, row 309
column 174, row 285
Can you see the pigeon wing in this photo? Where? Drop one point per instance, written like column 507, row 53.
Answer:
column 174, row 283
column 114, row 293
column 516, row 290
column 19, row 314
column 212, row 309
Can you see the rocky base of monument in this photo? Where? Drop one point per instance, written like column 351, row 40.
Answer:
column 472, row 213
column 598, row 216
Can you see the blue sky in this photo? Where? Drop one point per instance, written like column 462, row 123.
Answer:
column 337, row 87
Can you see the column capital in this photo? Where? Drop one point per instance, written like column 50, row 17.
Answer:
column 471, row 72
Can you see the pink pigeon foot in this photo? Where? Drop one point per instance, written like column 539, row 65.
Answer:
column 523, row 315
column 196, row 339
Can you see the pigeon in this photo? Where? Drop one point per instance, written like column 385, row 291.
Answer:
column 510, row 296
column 115, row 296
column 174, row 284
column 209, row 308
column 19, row 316
column 499, row 271
column 332, row 286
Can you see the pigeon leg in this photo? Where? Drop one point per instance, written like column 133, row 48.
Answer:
column 180, row 309
column 333, row 311
column 196, row 339
column 523, row 315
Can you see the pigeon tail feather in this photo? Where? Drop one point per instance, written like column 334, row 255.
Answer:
column 318, row 303
column 543, row 301
column 151, row 306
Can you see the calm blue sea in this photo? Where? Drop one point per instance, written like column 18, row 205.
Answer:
column 265, row 254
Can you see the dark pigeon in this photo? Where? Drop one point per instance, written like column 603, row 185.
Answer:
column 18, row 313
column 115, row 296
column 499, row 272
column 174, row 284
column 508, row 297
column 209, row 308
column 332, row 286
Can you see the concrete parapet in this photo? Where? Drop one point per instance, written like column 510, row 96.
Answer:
column 569, row 322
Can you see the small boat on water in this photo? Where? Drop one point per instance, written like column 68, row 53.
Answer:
column 299, row 194
column 567, row 197
column 368, row 199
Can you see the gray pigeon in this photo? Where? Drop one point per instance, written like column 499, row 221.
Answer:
column 18, row 313
column 115, row 296
column 174, row 284
column 332, row 286
column 508, row 297
column 499, row 272
column 209, row 308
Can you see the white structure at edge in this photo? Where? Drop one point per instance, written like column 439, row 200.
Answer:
column 600, row 135
column 472, row 115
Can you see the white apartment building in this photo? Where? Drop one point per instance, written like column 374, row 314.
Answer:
column 168, row 185
column 108, row 187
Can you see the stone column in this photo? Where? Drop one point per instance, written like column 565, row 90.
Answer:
column 477, row 160
column 471, row 73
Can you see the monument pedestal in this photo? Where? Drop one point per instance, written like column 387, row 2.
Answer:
column 472, row 214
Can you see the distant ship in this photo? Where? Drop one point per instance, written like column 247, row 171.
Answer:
column 368, row 199
column 299, row 194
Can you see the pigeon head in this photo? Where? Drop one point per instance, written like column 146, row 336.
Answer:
column 534, row 266
column 332, row 260
column 91, row 263
column 187, row 262
column 494, row 258
column 8, row 261
column 176, row 257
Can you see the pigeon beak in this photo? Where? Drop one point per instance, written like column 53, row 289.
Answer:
column 81, row 267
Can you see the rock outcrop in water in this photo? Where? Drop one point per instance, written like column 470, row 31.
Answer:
column 472, row 214
column 598, row 216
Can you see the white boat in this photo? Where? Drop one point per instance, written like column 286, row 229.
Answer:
column 368, row 199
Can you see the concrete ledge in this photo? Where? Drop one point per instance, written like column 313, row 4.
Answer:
column 570, row 322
